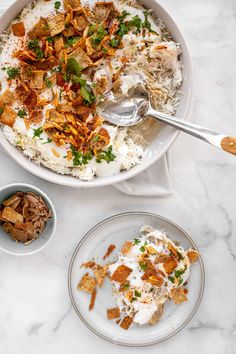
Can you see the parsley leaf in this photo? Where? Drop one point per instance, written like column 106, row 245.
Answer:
column 47, row 142
column 48, row 82
column 98, row 36
column 21, row 113
column 79, row 158
column 71, row 41
column 142, row 249
column 34, row 45
column 136, row 22
column 137, row 293
column 114, row 42
column 37, row 132
column 137, row 241
column 106, row 155
column 87, row 94
column 12, row 72
column 57, row 5
column 146, row 23
column 123, row 15
column 1, row 110
column 73, row 67
column 143, row 265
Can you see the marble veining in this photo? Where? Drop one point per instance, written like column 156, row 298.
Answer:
column 35, row 311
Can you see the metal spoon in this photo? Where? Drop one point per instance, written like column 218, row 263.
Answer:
column 137, row 107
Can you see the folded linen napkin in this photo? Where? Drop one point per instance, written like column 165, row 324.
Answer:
column 155, row 181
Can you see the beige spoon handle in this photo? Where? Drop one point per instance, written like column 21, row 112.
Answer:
column 229, row 144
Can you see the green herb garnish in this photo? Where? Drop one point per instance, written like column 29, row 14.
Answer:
column 34, row 45
column 71, row 41
column 73, row 67
column 146, row 23
column 21, row 113
column 136, row 22
column 137, row 241
column 47, row 142
column 126, row 286
column 12, row 72
column 106, row 155
column 50, row 39
column 57, row 5
column 133, row 299
column 87, row 94
column 79, row 80
column 79, row 158
column 137, row 293
column 37, row 132
column 123, row 15
column 48, row 83
column 142, row 249
column 1, row 110
column 95, row 138
column 172, row 279
column 114, row 42
column 143, row 265
column 98, row 36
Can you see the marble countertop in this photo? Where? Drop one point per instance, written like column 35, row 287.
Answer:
column 35, row 310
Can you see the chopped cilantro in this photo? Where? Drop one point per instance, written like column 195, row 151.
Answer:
column 79, row 158
column 133, row 299
column 136, row 22
column 12, row 72
column 146, row 23
column 142, row 249
column 87, row 94
column 79, row 80
column 48, row 83
column 143, row 265
column 57, row 5
column 150, row 290
column 92, row 29
column 123, row 15
column 106, row 155
column 137, row 293
column 47, row 142
column 73, row 67
column 21, row 113
column 105, row 50
column 98, row 36
column 50, row 39
column 123, row 29
column 137, row 241
column 1, row 110
column 71, row 41
column 172, row 279
column 66, row 77
column 37, row 132
column 34, row 45
column 126, row 286
column 114, row 42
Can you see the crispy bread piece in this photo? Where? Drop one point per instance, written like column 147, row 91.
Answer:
column 11, row 215
column 178, row 295
column 112, row 313
column 92, row 299
column 81, row 57
column 41, row 29
column 170, row 264
column 72, row 3
column 7, row 98
column 156, row 280
column 87, row 283
column 126, row 322
column 18, row 29
column 121, row 274
column 102, row 10
column 56, row 24
column 126, row 247
column 193, row 255
column 109, row 251
column 100, row 273
column 36, row 81
column 8, row 116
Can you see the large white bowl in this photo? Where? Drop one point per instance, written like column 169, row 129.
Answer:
column 156, row 149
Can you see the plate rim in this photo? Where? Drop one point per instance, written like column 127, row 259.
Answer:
column 86, row 236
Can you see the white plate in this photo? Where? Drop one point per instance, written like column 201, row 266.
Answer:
column 116, row 230
column 157, row 147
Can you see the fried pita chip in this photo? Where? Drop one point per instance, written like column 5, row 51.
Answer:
column 87, row 283
column 100, row 273
column 22, row 92
column 41, row 29
column 7, row 98
column 32, row 100
column 112, row 313
column 156, row 280
column 102, row 10
column 92, row 300
column 126, row 247
column 109, row 251
column 178, row 295
column 8, row 202
column 58, row 44
column 47, row 64
column 126, row 322
column 81, row 57
column 18, row 29
column 11, row 215
column 193, row 255
column 8, row 117
column 170, row 264
column 36, row 117
column 36, row 81
column 121, row 274
column 80, row 22
column 56, row 24
column 25, row 72
column 72, row 3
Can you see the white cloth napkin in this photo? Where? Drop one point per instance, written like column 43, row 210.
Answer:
column 155, row 181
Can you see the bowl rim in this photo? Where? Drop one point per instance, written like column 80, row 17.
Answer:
column 70, row 181
column 87, row 235
column 49, row 203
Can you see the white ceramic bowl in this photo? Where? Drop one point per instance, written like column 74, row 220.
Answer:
column 19, row 249
column 156, row 149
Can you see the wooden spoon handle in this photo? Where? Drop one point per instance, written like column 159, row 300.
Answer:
column 229, row 144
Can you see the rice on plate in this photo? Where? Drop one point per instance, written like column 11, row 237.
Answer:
column 60, row 61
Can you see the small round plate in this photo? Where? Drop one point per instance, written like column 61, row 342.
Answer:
column 116, row 230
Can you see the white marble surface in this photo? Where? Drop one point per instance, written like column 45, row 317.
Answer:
column 35, row 311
